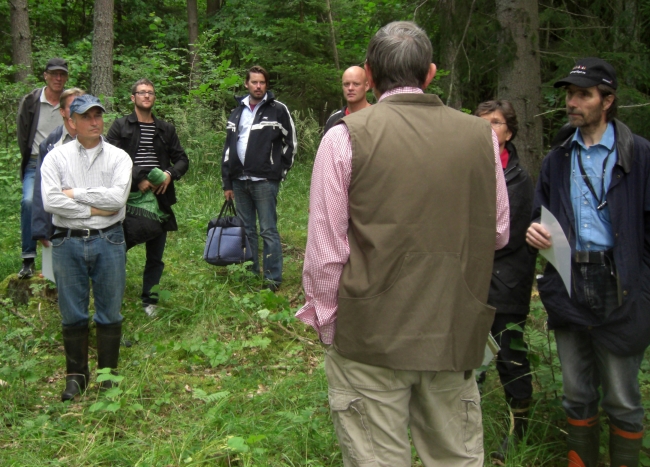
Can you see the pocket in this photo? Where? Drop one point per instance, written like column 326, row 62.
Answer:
column 352, row 428
column 115, row 237
column 472, row 423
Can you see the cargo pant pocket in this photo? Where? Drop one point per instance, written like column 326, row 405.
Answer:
column 352, row 428
column 473, row 426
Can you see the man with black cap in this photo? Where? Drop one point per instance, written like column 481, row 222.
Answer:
column 38, row 115
column 85, row 186
column 596, row 182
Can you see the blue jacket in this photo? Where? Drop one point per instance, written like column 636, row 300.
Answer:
column 626, row 331
column 42, row 227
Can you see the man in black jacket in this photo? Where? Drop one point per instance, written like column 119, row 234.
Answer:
column 597, row 185
column 151, row 143
column 259, row 151
column 38, row 115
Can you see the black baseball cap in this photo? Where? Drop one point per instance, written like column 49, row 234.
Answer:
column 590, row 72
column 56, row 64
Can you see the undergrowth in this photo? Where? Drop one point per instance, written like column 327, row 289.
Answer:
column 224, row 375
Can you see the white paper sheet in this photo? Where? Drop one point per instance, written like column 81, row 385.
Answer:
column 559, row 255
column 46, row 263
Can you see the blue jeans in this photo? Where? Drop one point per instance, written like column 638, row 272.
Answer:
column 100, row 260
column 588, row 365
column 260, row 198
column 28, row 245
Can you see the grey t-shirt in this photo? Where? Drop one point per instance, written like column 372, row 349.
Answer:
column 48, row 119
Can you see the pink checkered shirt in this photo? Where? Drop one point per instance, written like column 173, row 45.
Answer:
column 327, row 240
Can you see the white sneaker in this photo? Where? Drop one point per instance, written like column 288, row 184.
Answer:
column 151, row 310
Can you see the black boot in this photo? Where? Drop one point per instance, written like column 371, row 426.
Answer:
column 519, row 410
column 75, row 343
column 583, row 442
column 108, row 349
column 624, row 447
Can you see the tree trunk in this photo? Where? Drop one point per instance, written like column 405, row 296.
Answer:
column 335, row 51
column 193, row 35
column 102, row 67
column 21, row 40
column 213, row 7
column 455, row 17
column 519, row 75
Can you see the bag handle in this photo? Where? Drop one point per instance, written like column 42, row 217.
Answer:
column 228, row 208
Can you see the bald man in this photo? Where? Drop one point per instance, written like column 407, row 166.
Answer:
column 355, row 87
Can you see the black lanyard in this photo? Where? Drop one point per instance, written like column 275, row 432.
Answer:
column 602, row 202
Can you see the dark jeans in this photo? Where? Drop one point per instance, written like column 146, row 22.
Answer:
column 153, row 268
column 512, row 364
column 28, row 245
column 588, row 366
column 259, row 199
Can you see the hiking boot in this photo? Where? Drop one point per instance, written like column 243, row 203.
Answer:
column 519, row 410
column 624, row 447
column 583, row 442
column 150, row 309
column 75, row 344
column 108, row 349
column 27, row 270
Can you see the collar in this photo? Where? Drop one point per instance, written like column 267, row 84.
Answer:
column 246, row 100
column 80, row 147
column 401, row 90
column 608, row 139
column 43, row 100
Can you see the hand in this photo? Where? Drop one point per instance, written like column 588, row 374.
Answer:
column 45, row 243
column 69, row 192
column 101, row 212
column 538, row 237
column 229, row 194
column 145, row 185
column 163, row 186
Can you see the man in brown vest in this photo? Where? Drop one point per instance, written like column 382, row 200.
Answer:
column 403, row 213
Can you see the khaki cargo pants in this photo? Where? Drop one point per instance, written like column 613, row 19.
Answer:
column 373, row 407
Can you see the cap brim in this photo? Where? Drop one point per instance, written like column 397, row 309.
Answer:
column 86, row 109
column 579, row 81
column 57, row 68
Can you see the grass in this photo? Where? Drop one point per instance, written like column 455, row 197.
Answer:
column 224, row 376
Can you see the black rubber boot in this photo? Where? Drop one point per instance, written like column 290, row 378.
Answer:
column 519, row 410
column 624, row 447
column 583, row 442
column 75, row 344
column 108, row 349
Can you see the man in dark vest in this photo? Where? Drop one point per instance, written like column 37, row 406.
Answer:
column 399, row 257
column 596, row 181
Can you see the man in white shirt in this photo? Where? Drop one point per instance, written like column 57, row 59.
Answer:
column 85, row 186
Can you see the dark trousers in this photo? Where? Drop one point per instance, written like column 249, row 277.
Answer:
column 512, row 364
column 153, row 268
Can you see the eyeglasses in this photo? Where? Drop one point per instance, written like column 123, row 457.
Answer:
column 57, row 74
column 496, row 124
column 145, row 93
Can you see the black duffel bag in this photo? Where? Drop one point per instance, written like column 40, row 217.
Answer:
column 227, row 242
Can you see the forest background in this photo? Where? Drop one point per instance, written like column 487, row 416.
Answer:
column 225, row 375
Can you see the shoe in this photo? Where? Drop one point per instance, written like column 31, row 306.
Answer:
column 150, row 309
column 624, row 447
column 27, row 270
column 519, row 411
column 583, row 442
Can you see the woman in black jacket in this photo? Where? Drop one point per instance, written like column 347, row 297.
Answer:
column 512, row 277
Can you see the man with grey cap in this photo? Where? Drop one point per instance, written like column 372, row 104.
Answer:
column 596, row 182
column 38, row 115
column 85, row 185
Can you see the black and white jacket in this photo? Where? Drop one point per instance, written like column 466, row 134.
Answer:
column 272, row 144
column 334, row 118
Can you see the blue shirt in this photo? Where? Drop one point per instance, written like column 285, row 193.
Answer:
column 594, row 226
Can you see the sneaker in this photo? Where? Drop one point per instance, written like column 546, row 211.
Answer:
column 150, row 309
column 27, row 270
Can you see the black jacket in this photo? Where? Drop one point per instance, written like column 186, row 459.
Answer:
column 626, row 330
column 271, row 146
column 334, row 118
column 26, row 124
column 125, row 134
column 514, row 264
